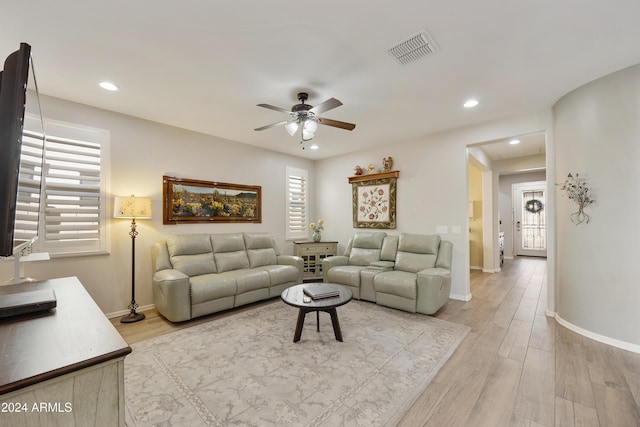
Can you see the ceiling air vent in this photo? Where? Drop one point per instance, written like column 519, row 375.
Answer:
column 413, row 48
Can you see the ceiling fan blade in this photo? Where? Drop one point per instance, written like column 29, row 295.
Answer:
column 273, row 107
column 327, row 105
column 337, row 124
column 272, row 125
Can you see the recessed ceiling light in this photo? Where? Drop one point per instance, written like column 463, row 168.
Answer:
column 470, row 103
column 108, row 86
column 514, row 142
column 314, row 147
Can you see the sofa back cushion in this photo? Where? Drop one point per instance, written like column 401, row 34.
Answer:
column 191, row 254
column 445, row 254
column 389, row 248
column 260, row 249
column 365, row 248
column 229, row 251
column 416, row 252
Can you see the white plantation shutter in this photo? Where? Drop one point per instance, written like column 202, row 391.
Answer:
column 73, row 208
column 296, row 203
column 72, row 191
column 29, row 188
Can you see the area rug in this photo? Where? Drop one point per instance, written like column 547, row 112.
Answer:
column 245, row 369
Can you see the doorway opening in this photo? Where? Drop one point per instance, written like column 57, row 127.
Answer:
column 530, row 219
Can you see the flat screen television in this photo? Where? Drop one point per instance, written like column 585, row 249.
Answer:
column 13, row 95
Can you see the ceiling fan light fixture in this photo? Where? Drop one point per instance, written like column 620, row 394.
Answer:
column 305, row 118
column 311, row 125
column 306, row 135
column 291, row 127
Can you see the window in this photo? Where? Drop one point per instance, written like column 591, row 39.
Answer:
column 73, row 206
column 296, row 203
column 29, row 188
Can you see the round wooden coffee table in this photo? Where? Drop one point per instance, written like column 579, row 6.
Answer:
column 295, row 297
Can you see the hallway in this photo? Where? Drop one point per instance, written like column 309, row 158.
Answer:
column 518, row 367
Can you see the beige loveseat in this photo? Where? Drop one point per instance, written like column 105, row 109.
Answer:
column 410, row 272
column 198, row 274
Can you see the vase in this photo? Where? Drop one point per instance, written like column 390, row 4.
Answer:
column 316, row 235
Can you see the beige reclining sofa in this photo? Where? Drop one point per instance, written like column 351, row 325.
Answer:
column 198, row 274
column 410, row 272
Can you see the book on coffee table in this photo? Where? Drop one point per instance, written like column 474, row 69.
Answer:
column 320, row 291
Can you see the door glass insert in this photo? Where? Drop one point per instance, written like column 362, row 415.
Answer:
column 534, row 228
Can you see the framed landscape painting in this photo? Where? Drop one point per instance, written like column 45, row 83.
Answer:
column 374, row 203
column 190, row 200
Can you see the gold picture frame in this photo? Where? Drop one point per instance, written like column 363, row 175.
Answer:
column 374, row 200
column 196, row 201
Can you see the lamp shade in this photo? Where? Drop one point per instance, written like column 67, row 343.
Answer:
column 132, row 207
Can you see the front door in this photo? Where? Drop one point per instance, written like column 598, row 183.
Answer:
column 529, row 201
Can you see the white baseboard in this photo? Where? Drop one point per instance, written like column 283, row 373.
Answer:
column 124, row 312
column 635, row 348
column 487, row 270
column 464, row 298
column 475, row 267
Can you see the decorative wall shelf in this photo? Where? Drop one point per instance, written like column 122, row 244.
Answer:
column 370, row 176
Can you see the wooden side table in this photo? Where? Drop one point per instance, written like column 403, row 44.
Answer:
column 312, row 253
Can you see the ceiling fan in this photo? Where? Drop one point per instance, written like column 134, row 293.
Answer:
column 306, row 117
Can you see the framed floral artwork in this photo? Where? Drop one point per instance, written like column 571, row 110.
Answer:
column 374, row 200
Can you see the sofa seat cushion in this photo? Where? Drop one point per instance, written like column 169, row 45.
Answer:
column 249, row 280
column 208, row 287
column 346, row 274
column 400, row 283
column 281, row 273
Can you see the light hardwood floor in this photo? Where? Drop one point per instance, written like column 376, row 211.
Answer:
column 515, row 368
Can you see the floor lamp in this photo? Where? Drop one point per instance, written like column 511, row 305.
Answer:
column 133, row 208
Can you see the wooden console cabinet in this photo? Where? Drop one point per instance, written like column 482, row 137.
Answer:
column 312, row 253
column 62, row 367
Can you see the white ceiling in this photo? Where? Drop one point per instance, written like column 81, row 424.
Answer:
column 530, row 145
column 204, row 65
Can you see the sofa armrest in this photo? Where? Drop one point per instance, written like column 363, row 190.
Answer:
column 296, row 261
column 434, row 287
column 172, row 294
column 330, row 262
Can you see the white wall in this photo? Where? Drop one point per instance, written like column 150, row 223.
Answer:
column 141, row 153
column 598, row 136
column 432, row 187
